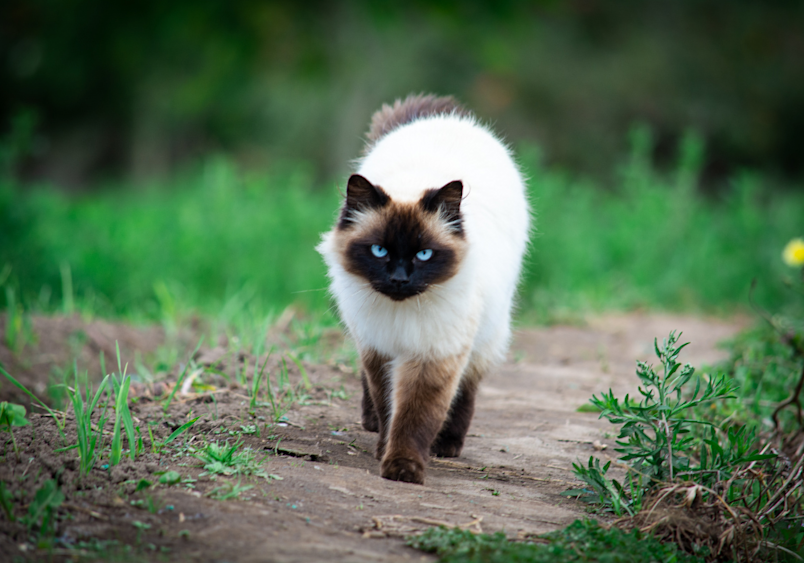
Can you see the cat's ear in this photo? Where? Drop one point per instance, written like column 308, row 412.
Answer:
column 360, row 195
column 447, row 198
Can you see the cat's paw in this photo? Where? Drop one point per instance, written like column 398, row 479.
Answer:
column 403, row 469
column 447, row 450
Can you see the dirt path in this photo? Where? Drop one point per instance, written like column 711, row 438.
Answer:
column 330, row 503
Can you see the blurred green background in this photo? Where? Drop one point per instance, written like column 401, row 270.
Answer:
column 161, row 158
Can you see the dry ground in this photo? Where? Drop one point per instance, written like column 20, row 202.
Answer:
column 331, row 504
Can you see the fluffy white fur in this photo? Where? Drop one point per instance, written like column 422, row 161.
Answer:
column 471, row 311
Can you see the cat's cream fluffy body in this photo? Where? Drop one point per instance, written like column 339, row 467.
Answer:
column 473, row 308
column 425, row 345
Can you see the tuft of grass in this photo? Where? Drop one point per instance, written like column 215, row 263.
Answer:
column 583, row 541
column 122, row 416
column 89, row 440
column 225, row 459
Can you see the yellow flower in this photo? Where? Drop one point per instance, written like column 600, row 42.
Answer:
column 793, row 254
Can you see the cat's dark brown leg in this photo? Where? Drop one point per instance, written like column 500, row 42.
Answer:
column 423, row 392
column 369, row 419
column 449, row 441
column 375, row 390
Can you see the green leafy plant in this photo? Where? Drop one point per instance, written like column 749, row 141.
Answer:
column 696, row 469
column 170, row 478
column 658, row 439
column 12, row 415
column 224, row 459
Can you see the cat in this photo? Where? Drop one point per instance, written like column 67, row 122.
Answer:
column 424, row 260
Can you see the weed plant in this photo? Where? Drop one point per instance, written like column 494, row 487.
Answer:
column 698, row 470
column 122, row 415
column 225, row 459
column 659, row 440
column 90, row 437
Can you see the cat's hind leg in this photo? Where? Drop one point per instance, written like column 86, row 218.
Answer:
column 449, row 442
column 369, row 419
column 375, row 396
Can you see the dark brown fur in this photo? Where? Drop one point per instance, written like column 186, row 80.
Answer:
column 424, row 391
column 388, row 118
column 449, row 442
column 375, row 395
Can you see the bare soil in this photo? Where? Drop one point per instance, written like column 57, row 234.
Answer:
column 331, row 504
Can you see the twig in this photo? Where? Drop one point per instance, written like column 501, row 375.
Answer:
column 793, row 399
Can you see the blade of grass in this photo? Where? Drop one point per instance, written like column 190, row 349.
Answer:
column 256, row 383
column 128, row 424
column 179, row 431
column 181, row 376
column 303, row 371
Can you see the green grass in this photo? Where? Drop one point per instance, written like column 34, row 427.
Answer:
column 583, row 541
column 239, row 246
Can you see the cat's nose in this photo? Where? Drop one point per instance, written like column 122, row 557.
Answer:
column 400, row 275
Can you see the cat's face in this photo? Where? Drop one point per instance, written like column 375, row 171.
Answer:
column 401, row 248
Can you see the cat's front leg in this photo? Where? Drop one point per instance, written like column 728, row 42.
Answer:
column 422, row 394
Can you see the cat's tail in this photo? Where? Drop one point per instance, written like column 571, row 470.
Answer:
column 415, row 106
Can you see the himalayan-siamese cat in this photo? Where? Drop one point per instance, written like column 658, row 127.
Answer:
column 424, row 260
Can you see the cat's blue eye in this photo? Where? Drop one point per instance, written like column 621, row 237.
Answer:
column 424, row 255
column 379, row 251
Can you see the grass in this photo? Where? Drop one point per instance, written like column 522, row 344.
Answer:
column 225, row 459
column 583, row 541
column 89, row 439
column 238, row 247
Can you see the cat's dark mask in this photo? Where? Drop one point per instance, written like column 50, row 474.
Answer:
column 401, row 248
